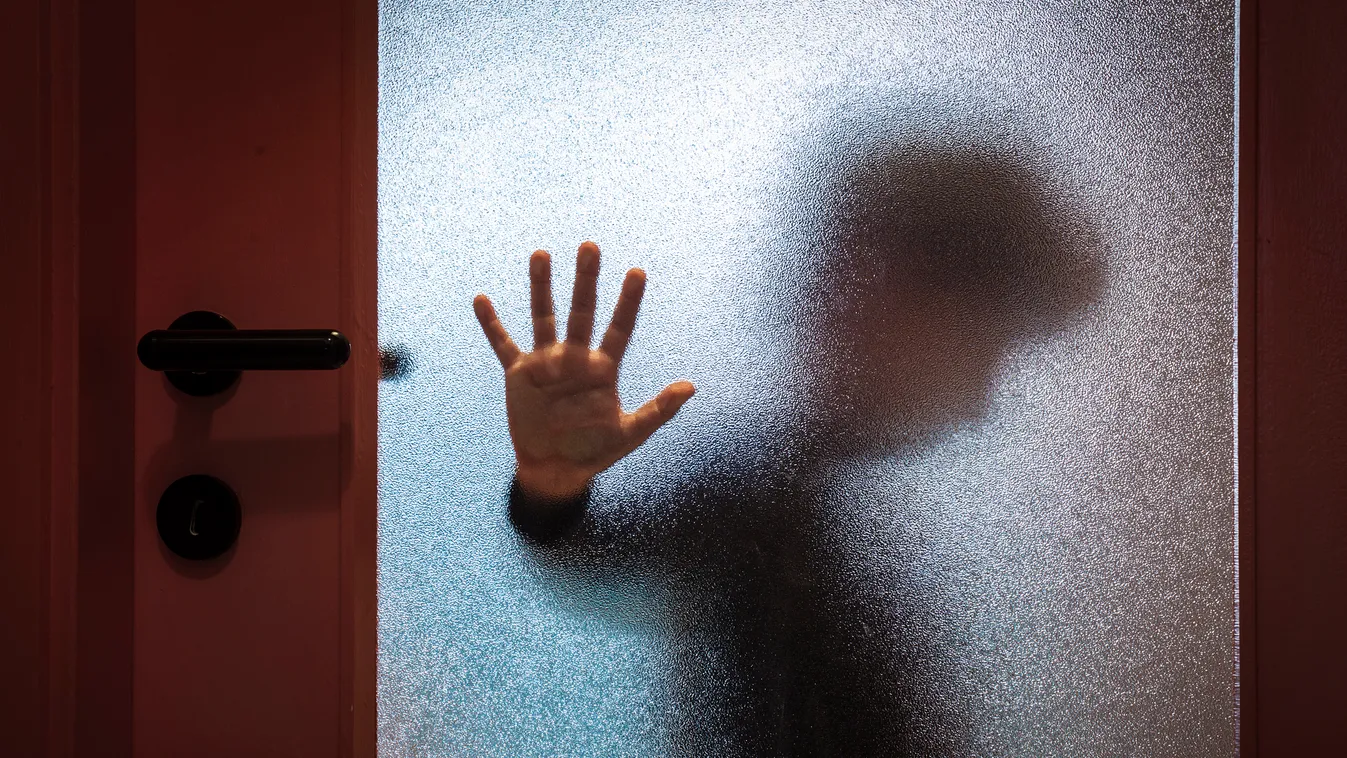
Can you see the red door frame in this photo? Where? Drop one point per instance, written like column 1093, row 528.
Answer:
column 67, row 305
column 1293, row 422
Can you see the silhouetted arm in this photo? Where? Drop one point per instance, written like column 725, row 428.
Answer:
column 541, row 518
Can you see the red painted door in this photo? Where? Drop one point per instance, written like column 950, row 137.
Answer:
column 163, row 157
column 243, row 207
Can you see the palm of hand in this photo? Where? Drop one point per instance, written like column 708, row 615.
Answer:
column 563, row 406
column 565, row 418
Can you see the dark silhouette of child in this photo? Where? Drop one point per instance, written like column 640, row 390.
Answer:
column 932, row 260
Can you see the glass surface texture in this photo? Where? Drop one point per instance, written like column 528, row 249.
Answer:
column 954, row 282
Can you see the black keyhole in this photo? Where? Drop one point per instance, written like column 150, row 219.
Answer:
column 198, row 517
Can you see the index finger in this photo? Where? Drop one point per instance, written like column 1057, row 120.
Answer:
column 624, row 315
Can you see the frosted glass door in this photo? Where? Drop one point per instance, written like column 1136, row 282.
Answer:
column 954, row 281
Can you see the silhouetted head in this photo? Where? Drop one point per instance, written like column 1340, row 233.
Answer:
column 931, row 260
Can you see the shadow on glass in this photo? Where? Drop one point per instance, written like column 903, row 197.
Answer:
column 928, row 260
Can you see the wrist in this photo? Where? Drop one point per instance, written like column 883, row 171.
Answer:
column 538, row 483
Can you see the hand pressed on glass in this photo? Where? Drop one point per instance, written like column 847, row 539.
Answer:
column 565, row 418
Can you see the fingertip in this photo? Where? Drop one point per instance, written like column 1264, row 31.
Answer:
column 678, row 393
column 539, row 267
column 587, row 259
column 634, row 284
column 539, row 257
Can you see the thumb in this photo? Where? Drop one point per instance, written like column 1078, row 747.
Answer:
column 643, row 422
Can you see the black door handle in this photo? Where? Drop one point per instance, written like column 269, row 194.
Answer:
column 202, row 353
column 244, row 350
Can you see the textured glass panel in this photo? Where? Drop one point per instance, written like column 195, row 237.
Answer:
column 953, row 279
